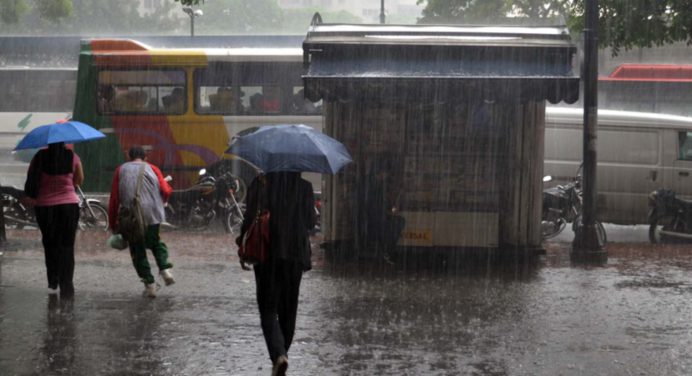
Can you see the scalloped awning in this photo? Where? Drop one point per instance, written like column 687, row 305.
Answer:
column 352, row 62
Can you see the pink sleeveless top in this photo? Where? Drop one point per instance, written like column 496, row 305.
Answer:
column 58, row 189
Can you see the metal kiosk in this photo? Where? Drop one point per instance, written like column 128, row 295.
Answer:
column 459, row 110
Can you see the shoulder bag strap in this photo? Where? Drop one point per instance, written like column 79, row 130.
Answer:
column 139, row 179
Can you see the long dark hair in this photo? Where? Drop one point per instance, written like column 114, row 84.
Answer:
column 56, row 160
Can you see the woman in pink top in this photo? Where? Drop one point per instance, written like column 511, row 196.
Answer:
column 53, row 174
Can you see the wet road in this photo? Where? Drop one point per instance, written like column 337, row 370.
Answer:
column 631, row 317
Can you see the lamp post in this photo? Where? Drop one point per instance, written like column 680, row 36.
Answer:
column 382, row 11
column 588, row 244
column 192, row 13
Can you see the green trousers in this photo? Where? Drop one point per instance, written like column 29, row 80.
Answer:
column 139, row 254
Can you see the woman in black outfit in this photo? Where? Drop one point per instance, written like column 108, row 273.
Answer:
column 290, row 201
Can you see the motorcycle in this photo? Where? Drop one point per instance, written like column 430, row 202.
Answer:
column 92, row 213
column 562, row 204
column 669, row 217
column 211, row 197
column 17, row 213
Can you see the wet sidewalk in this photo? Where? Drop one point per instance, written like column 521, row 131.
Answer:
column 631, row 317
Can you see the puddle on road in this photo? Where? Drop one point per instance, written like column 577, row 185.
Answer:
column 630, row 316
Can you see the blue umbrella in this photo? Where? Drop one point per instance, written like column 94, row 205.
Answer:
column 69, row 132
column 291, row 147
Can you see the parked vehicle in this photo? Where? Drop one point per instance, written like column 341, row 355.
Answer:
column 638, row 152
column 669, row 217
column 92, row 213
column 17, row 214
column 197, row 207
column 318, row 215
column 562, row 204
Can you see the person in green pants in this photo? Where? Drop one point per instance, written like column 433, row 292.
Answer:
column 139, row 177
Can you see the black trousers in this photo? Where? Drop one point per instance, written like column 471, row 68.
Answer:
column 278, row 287
column 58, row 226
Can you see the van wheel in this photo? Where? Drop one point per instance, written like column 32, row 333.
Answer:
column 666, row 222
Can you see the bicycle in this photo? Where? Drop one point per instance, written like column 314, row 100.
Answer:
column 92, row 213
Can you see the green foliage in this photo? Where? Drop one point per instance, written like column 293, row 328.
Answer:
column 54, row 9
column 94, row 17
column 12, row 10
column 622, row 23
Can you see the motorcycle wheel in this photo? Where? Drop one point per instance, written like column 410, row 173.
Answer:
column 234, row 220
column 666, row 222
column 547, row 233
column 599, row 227
column 98, row 220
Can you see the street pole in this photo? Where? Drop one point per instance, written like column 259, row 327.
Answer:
column 192, row 25
column 588, row 244
column 3, row 236
column 382, row 12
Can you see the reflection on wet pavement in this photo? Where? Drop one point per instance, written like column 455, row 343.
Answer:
column 630, row 317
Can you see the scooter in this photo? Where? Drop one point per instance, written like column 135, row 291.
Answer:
column 211, row 197
column 669, row 217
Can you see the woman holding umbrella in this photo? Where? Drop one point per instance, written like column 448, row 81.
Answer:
column 53, row 174
column 290, row 200
column 50, row 188
column 282, row 152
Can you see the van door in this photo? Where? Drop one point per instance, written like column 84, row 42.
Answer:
column 629, row 168
column 681, row 174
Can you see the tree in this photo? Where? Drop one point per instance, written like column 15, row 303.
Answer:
column 96, row 17
column 12, row 10
column 622, row 24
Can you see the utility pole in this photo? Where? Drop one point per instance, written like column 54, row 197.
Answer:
column 587, row 246
column 382, row 12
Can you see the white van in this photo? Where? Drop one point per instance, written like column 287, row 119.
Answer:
column 637, row 153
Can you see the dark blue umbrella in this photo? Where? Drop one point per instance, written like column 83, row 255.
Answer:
column 69, row 132
column 291, row 147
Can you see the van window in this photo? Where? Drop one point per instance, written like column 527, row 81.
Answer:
column 685, row 146
column 627, row 147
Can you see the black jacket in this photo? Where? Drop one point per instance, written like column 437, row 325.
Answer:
column 291, row 205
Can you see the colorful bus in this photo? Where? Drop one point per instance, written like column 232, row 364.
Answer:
column 183, row 105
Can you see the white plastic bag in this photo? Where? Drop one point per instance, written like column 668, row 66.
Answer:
column 117, row 241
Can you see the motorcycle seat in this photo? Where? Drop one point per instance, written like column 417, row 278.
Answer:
column 686, row 204
column 194, row 188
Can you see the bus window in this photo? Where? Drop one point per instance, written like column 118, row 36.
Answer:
column 141, row 91
column 271, row 99
column 219, row 100
column 301, row 105
column 263, row 99
column 685, row 146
